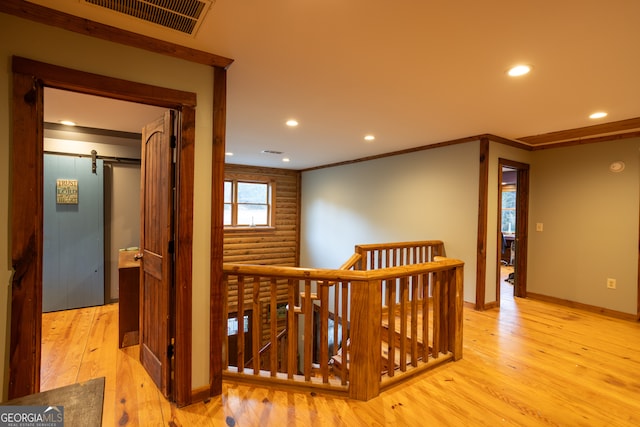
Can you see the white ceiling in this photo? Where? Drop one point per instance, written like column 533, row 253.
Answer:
column 97, row 112
column 412, row 72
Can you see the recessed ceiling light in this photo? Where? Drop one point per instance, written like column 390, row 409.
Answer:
column 228, row 153
column 67, row 122
column 519, row 70
column 616, row 166
column 598, row 115
column 369, row 138
column 286, row 159
column 292, row 123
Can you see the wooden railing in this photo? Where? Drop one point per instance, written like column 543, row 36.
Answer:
column 266, row 352
column 382, row 255
column 418, row 306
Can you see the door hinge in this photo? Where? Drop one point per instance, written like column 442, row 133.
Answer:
column 32, row 95
column 171, row 248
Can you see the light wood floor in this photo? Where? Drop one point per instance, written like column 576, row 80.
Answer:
column 529, row 363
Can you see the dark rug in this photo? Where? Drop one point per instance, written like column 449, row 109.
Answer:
column 82, row 402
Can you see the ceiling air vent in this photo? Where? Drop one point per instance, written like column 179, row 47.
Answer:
column 180, row 15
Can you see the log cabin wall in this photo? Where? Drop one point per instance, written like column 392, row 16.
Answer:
column 276, row 245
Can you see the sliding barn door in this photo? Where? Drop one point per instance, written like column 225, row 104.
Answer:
column 156, row 241
column 73, row 227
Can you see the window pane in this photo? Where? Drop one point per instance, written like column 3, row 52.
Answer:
column 251, row 192
column 228, row 192
column 227, row 214
column 508, row 212
column 508, row 221
column 252, row 215
column 508, row 199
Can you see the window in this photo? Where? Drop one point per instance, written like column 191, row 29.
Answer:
column 508, row 209
column 247, row 203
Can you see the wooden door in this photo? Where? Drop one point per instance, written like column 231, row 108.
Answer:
column 156, row 249
column 521, row 227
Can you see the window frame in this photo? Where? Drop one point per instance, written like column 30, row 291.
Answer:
column 234, row 179
column 508, row 188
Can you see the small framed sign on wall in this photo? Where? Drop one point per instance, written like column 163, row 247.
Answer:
column 67, row 191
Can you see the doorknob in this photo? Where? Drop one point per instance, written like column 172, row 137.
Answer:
column 138, row 256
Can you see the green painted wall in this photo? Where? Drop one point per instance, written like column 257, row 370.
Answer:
column 59, row 47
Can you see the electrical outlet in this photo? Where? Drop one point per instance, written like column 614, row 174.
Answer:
column 611, row 283
column 539, row 226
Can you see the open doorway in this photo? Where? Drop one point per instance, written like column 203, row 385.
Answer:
column 507, row 227
column 29, row 80
column 105, row 134
column 513, row 212
column 91, row 218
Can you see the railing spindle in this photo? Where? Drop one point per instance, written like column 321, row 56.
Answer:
column 336, row 315
column 414, row 320
column 391, row 330
column 345, row 332
column 404, row 297
column 307, row 309
column 292, row 335
column 425, row 317
column 225, row 323
column 324, row 326
column 257, row 325
column 273, row 352
column 436, row 314
column 444, row 335
column 240, row 319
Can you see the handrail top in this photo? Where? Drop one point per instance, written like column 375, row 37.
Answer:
column 341, row 275
column 395, row 245
column 351, row 262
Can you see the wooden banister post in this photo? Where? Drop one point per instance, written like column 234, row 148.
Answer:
column 366, row 316
column 456, row 312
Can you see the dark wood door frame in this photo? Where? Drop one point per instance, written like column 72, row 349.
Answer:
column 483, row 196
column 29, row 79
column 522, row 220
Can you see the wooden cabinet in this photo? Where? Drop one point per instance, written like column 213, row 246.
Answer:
column 129, row 298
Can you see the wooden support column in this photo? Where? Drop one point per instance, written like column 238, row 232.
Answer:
column 366, row 316
column 218, row 329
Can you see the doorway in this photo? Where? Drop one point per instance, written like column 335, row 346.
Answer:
column 29, row 80
column 91, row 218
column 512, row 237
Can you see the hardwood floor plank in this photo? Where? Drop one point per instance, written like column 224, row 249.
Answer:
column 100, row 356
column 139, row 402
column 64, row 337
